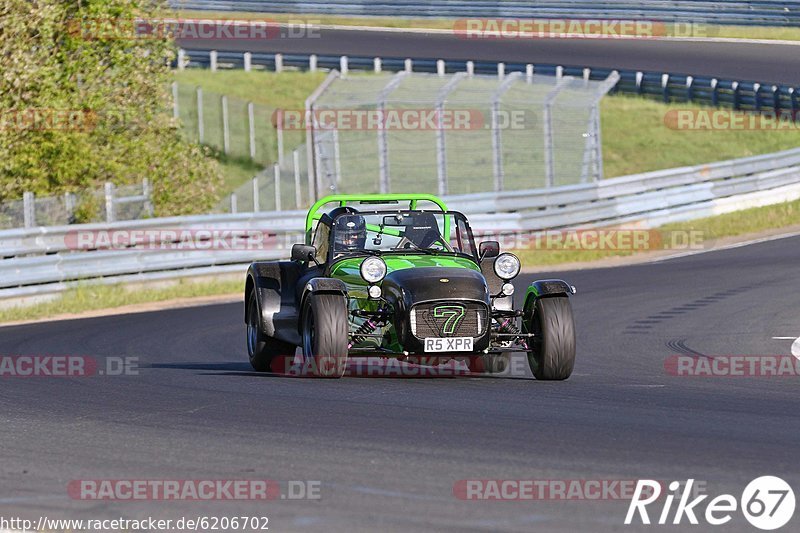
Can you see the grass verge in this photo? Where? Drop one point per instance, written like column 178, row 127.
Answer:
column 708, row 230
column 86, row 297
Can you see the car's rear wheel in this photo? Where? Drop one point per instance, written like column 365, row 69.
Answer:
column 552, row 355
column 262, row 349
column 325, row 327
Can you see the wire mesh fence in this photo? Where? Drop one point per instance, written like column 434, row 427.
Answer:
column 125, row 202
column 455, row 134
column 233, row 126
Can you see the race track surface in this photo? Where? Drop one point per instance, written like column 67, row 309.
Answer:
column 765, row 63
column 388, row 451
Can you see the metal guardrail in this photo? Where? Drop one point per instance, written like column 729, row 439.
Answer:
column 44, row 260
column 753, row 12
column 669, row 87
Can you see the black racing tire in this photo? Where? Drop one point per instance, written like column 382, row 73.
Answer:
column 552, row 356
column 325, row 329
column 262, row 349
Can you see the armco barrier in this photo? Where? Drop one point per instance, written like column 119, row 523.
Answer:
column 669, row 87
column 39, row 261
column 753, row 12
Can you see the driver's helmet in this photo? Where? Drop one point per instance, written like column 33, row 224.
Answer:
column 349, row 229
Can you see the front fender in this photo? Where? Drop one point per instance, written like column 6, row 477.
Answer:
column 322, row 286
column 547, row 287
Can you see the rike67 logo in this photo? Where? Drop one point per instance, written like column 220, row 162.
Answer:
column 767, row 502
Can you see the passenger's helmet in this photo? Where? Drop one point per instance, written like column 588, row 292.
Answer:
column 349, row 229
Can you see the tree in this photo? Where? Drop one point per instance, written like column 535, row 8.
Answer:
column 85, row 99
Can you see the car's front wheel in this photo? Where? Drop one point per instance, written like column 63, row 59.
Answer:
column 262, row 349
column 552, row 354
column 325, row 328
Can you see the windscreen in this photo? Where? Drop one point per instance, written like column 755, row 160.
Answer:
column 403, row 231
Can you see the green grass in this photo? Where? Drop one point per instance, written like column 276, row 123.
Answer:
column 93, row 297
column 711, row 30
column 708, row 230
column 267, row 90
column 635, row 138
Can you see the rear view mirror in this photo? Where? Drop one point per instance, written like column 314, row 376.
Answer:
column 489, row 249
column 303, row 252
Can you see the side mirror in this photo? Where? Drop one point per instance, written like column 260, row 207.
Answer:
column 303, row 252
column 489, row 249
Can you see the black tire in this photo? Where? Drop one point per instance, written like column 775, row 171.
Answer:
column 325, row 329
column 262, row 349
column 553, row 348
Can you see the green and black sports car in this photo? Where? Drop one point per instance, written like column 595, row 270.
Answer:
column 400, row 276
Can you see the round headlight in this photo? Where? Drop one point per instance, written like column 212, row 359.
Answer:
column 373, row 269
column 506, row 266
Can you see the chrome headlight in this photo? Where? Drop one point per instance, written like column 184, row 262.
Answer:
column 373, row 269
column 506, row 266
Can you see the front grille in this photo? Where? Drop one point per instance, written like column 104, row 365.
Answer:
column 448, row 318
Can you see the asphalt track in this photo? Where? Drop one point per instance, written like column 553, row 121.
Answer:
column 388, row 451
column 765, row 63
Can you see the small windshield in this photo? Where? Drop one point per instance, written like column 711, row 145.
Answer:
column 403, row 231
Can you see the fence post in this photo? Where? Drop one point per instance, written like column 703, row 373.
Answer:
column 440, row 67
column 501, row 70
column 639, row 78
column 409, row 65
column 337, row 162
column 714, row 91
column 587, row 73
column 312, row 62
column 175, row 108
column 343, row 66
column 470, row 68
column 109, row 194
column 276, row 169
column 181, row 58
column 148, row 196
column 200, row 126
column 248, row 61
column 529, row 72
column 212, row 60
column 278, row 62
column 689, row 88
column 377, row 65
column 279, row 135
column 559, row 72
column 226, row 132
column 234, row 203
column 251, row 128
column 298, row 193
column 756, row 97
column 665, row 86
column 29, row 209
column 69, row 205
column 735, row 88
column 147, row 193
column 256, row 197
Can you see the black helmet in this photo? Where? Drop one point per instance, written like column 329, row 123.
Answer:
column 349, row 229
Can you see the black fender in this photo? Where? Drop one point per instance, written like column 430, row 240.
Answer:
column 273, row 283
column 543, row 288
column 321, row 286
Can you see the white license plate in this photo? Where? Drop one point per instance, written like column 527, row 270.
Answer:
column 448, row 344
